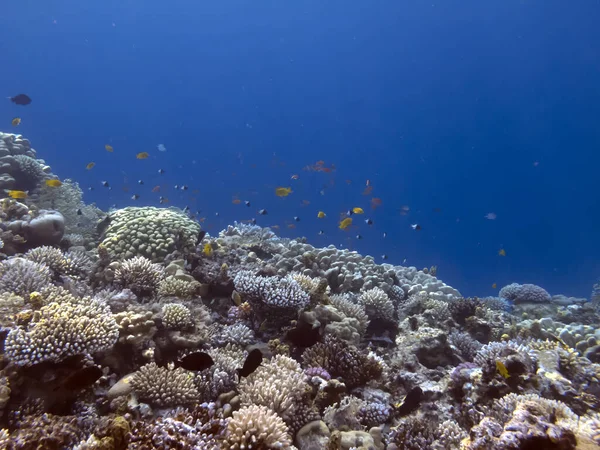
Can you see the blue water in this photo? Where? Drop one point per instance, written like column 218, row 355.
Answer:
column 464, row 107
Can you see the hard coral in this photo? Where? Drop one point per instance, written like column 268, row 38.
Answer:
column 342, row 360
column 149, row 232
column 139, row 275
column 524, row 293
column 272, row 291
column 257, row 427
column 176, row 316
column 278, row 384
column 62, row 330
column 22, row 277
column 377, row 304
column 164, row 386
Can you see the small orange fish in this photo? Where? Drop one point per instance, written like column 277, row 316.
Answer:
column 291, row 225
column 494, row 286
column 236, row 201
column 196, row 191
column 202, row 219
column 156, row 188
column 142, row 155
column 375, row 202
column 125, row 188
column 348, row 181
column 17, row 194
column 275, row 227
column 16, row 121
column 294, row 177
column 90, row 165
column 305, row 203
column 345, row 223
column 283, row 191
column 53, row 183
column 367, row 190
column 502, row 252
column 109, row 148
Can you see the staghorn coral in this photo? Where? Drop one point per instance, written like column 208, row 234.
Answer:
column 278, row 384
column 164, row 386
column 342, row 360
column 238, row 334
column 22, row 277
column 150, row 232
column 61, row 330
column 139, row 275
column 377, row 304
column 257, row 427
column 176, row 316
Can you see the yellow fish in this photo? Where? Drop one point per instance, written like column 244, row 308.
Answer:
column 208, row 250
column 90, row 165
column 494, row 286
column 502, row 370
column 142, row 155
column 358, row 210
column 109, row 148
column 502, row 252
column 16, row 121
column 345, row 223
column 321, row 214
column 53, row 183
column 17, row 194
column 283, row 191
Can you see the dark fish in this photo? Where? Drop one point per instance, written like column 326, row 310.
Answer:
column 297, row 219
column 368, row 221
column 263, row 212
column 349, row 212
column 161, row 171
column 140, row 181
column 253, row 221
column 411, row 401
column 201, row 235
column 103, row 225
column 196, row 361
column 105, row 183
column 304, row 335
column 82, row 378
column 251, row 363
column 321, row 232
column 21, row 99
column 358, row 236
column 184, row 188
column 384, row 256
column 247, row 203
column 135, row 197
column 79, row 212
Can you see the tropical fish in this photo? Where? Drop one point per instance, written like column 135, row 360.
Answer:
column 283, row 191
column 368, row 190
column 375, row 202
column 304, row 335
column 294, row 177
column 502, row 370
column 53, row 183
column 90, row 166
column 411, row 401
column 494, row 285
column 416, row 227
column 135, row 197
column 16, row 121
column 247, row 203
column 161, row 148
column 105, row 184
column 142, row 155
column 109, row 148
column 82, row 379
column 163, row 200
column 156, row 188
column 297, row 219
column 196, row 361
column 21, row 99
column 251, row 363
column 16, row 194
column 262, row 212
column 368, row 221
column 321, row 214
column 236, row 201
column 207, row 250
column 358, row 210
column 236, row 298
column 161, row 171
column 502, row 252
column 384, row 256
column 345, row 223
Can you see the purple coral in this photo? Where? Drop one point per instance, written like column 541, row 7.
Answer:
column 525, row 293
column 317, row 372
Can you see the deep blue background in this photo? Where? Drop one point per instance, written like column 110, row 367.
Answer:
column 440, row 104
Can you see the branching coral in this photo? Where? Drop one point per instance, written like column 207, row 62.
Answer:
column 342, row 360
column 139, row 275
column 272, row 291
column 377, row 304
column 343, row 304
column 257, row 427
column 61, row 330
column 71, row 263
column 165, row 386
column 278, row 384
column 22, row 277
column 174, row 287
column 176, row 316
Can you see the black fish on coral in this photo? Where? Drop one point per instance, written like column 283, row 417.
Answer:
column 82, row 378
column 21, row 99
column 201, row 235
column 411, row 401
column 196, row 361
column 103, row 225
column 251, row 363
column 304, row 335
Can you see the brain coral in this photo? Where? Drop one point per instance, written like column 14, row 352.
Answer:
column 150, row 232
